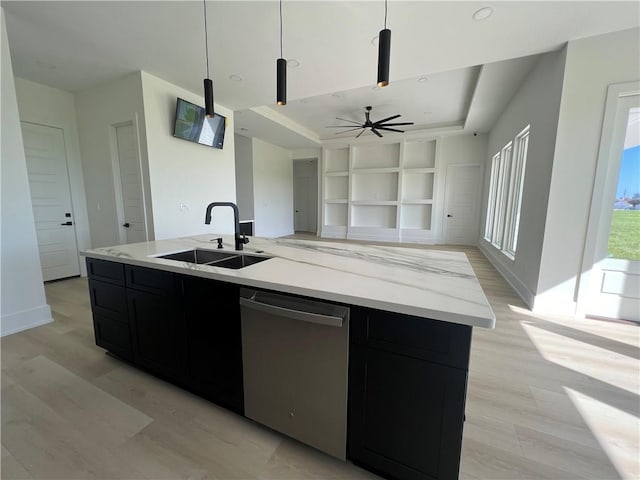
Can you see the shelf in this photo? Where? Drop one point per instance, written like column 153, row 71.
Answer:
column 336, row 160
column 375, row 187
column 337, row 174
column 366, row 171
column 416, row 217
column 420, row 153
column 419, row 170
column 376, row 155
column 374, row 202
column 336, row 200
column 376, row 216
column 417, row 201
column 336, row 187
column 417, row 186
column 335, row 214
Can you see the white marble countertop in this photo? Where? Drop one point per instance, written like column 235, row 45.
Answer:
column 427, row 283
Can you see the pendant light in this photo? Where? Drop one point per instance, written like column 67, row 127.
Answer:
column 384, row 52
column 281, row 71
column 208, row 83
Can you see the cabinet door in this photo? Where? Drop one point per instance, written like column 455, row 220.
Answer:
column 214, row 344
column 110, row 319
column 158, row 333
column 405, row 415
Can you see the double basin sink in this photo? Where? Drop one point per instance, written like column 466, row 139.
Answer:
column 215, row 259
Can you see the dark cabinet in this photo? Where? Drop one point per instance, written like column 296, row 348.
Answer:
column 182, row 328
column 214, row 344
column 407, row 388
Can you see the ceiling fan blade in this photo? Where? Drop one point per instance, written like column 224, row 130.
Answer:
column 360, row 133
column 350, row 121
column 343, row 126
column 387, row 119
column 376, row 132
column 350, row 130
column 392, row 124
column 390, row 129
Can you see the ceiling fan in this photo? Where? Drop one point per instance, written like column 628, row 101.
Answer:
column 373, row 126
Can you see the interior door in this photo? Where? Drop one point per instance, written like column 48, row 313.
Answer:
column 301, row 187
column 132, row 222
column 614, row 287
column 51, row 200
column 461, row 207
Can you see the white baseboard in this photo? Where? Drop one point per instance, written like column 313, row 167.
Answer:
column 24, row 320
column 520, row 288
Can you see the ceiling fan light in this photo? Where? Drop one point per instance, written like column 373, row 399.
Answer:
column 208, row 97
column 384, row 55
column 281, row 71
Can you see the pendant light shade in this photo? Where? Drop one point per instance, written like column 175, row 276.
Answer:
column 208, row 97
column 281, row 68
column 384, row 57
column 208, row 83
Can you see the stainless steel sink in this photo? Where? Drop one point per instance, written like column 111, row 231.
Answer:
column 240, row 261
column 198, row 255
column 215, row 259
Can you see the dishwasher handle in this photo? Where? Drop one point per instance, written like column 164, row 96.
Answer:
column 295, row 310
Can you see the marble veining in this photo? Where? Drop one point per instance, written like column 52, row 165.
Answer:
column 429, row 283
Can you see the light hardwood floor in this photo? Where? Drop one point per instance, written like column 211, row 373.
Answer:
column 548, row 397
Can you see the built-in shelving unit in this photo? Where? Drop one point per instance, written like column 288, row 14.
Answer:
column 379, row 191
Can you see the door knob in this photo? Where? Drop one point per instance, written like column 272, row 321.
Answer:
column 449, row 215
column 66, row 224
column 126, row 225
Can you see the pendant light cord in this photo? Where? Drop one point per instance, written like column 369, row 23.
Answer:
column 206, row 36
column 281, row 29
column 385, row 14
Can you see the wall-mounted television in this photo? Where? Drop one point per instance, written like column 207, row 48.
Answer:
column 192, row 124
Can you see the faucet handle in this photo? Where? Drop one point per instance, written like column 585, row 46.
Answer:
column 243, row 238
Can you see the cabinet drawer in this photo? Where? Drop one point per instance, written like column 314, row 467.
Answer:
column 113, row 335
column 108, row 300
column 112, row 272
column 151, row 280
column 431, row 340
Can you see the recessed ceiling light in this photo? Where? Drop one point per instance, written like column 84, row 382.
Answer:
column 235, row 78
column 374, row 40
column 483, row 13
column 293, row 63
column 423, row 79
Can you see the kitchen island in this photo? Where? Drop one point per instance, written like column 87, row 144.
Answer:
column 409, row 336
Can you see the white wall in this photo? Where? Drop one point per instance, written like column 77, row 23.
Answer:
column 244, row 177
column 22, row 300
column 592, row 64
column 272, row 189
column 535, row 103
column 56, row 108
column 98, row 110
column 185, row 176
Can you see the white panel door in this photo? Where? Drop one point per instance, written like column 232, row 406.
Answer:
column 132, row 221
column 51, row 200
column 614, row 287
column 461, row 205
column 301, row 203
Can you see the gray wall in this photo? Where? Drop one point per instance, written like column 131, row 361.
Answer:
column 592, row 65
column 536, row 103
column 22, row 294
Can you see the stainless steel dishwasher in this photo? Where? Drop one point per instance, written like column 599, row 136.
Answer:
column 295, row 355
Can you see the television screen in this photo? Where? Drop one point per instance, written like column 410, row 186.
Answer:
column 192, row 124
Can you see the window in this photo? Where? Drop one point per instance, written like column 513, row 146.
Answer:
column 505, row 195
